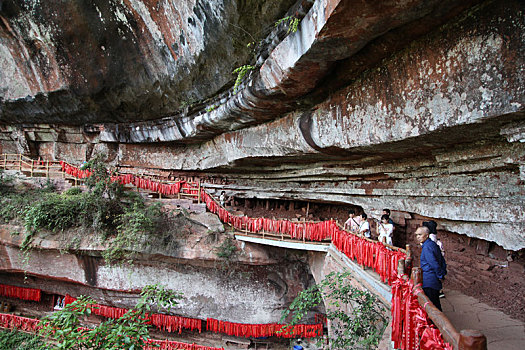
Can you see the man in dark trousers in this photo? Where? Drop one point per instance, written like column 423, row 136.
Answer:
column 432, row 264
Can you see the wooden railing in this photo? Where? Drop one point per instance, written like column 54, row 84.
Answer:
column 466, row 339
column 463, row 340
column 50, row 168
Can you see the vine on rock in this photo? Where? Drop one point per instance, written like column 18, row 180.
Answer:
column 357, row 316
column 291, row 21
column 241, row 72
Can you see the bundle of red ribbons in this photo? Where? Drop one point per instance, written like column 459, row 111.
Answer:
column 169, row 345
column 33, row 325
column 74, row 171
column 18, row 322
column 264, row 330
column 371, row 254
column 312, row 231
column 167, row 323
column 165, row 189
column 20, row 292
column 411, row 328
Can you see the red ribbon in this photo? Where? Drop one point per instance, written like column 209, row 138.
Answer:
column 20, row 292
column 264, row 330
column 164, row 322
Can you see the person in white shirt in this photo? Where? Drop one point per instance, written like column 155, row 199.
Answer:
column 352, row 224
column 222, row 198
column 385, row 230
column 364, row 226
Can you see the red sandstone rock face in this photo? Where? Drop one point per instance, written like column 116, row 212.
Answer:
column 88, row 61
column 251, row 287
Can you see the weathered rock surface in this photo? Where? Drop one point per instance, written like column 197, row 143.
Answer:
column 119, row 60
column 435, row 129
column 253, row 287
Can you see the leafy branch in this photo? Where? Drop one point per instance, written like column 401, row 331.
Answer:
column 357, row 316
column 291, row 21
column 241, row 72
column 131, row 331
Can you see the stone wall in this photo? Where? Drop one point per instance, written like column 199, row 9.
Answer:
column 253, row 287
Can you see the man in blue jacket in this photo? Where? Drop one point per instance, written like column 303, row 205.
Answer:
column 432, row 264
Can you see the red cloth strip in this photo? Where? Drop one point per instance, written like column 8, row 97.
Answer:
column 33, row 325
column 264, row 330
column 23, row 323
column 20, row 292
column 167, row 323
column 169, row 345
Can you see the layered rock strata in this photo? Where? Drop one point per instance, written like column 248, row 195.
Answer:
column 253, row 286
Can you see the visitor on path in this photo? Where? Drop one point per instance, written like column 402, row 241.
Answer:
column 432, row 264
column 364, row 226
column 385, row 230
column 387, row 212
column 352, row 224
column 222, row 198
column 432, row 229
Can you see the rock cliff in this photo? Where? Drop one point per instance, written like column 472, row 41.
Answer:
column 416, row 106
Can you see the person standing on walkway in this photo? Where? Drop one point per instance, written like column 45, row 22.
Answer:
column 386, row 211
column 385, row 230
column 364, row 226
column 432, row 265
column 432, row 229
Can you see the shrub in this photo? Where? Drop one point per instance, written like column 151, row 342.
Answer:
column 136, row 223
column 73, row 191
column 16, row 340
column 54, row 213
column 14, row 204
column 358, row 317
column 227, row 249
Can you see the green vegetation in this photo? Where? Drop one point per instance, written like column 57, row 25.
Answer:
column 357, row 316
column 121, row 218
column 16, row 340
column 136, row 224
column 131, row 331
column 241, row 72
column 158, row 297
column 291, row 21
column 226, row 250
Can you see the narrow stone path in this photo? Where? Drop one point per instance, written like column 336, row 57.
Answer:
column 465, row 312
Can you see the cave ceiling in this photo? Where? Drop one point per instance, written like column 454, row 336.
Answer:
column 167, row 65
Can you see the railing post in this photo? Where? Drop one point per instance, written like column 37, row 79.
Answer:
column 401, row 267
column 32, row 165
column 5, row 160
column 199, row 193
column 472, row 340
column 417, row 276
column 47, row 169
column 408, row 262
column 20, row 162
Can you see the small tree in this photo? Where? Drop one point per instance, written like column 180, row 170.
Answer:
column 357, row 316
column 130, row 331
column 100, row 181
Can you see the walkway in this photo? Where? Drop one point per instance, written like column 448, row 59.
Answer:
column 465, row 312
